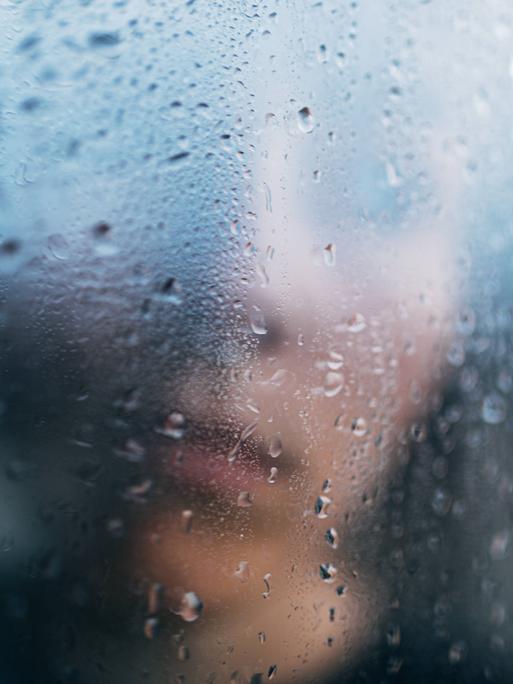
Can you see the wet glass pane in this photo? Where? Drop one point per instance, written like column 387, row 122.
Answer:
column 256, row 341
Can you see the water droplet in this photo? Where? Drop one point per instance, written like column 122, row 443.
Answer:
column 171, row 291
column 272, row 671
column 275, row 446
column 330, row 254
column 261, row 637
column 332, row 537
column 183, row 653
column 326, row 486
column 457, row 652
column 499, row 545
column 327, row 572
column 393, row 635
column 267, row 583
column 305, row 120
column 335, row 361
column 262, row 275
column 242, row 572
column 132, row 451
column 190, row 608
column 333, row 383
column 104, row 39
column 174, row 426
column 300, row 340
column 356, row 323
column 186, row 521
column 322, row 54
column 257, row 321
column 273, row 475
column 155, row 598
column 244, row 500
column 341, row 590
column 151, row 626
column 340, row 60
column 58, row 246
column 359, row 427
column 322, row 504
column 494, row 409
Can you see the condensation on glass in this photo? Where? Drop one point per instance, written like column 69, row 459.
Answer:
column 255, row 333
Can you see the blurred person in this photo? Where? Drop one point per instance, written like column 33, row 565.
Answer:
column 208, row 414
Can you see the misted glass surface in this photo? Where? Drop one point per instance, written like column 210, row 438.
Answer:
column 256, row 341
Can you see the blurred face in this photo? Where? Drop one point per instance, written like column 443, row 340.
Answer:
column 271, row 463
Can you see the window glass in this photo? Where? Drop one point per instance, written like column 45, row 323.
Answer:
column 255, row 334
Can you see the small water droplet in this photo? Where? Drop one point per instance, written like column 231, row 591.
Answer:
column 261, row 637
column 326, row 486
column 340, row 60
column 174, row 426
column 327, row 572
column 359, row 427
column 322, row 54
column 457, row 652
column 183, row 653
column 262, row 275
column 155, row 598
column 242, row 572
column 332, row 537
column 499, row 545
column 275, row 446
column 273, row 475
column 322, row 504
column 494, row 409
column 151, row 626
column 330, row 254
column 267, row 583
column 272, row 671
column 333, row 383
column 186, row 521
column 305, row 120
column 244, row 500
column 257, row 321
column 356, row 323
column 190, row 608
column 58, row 246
